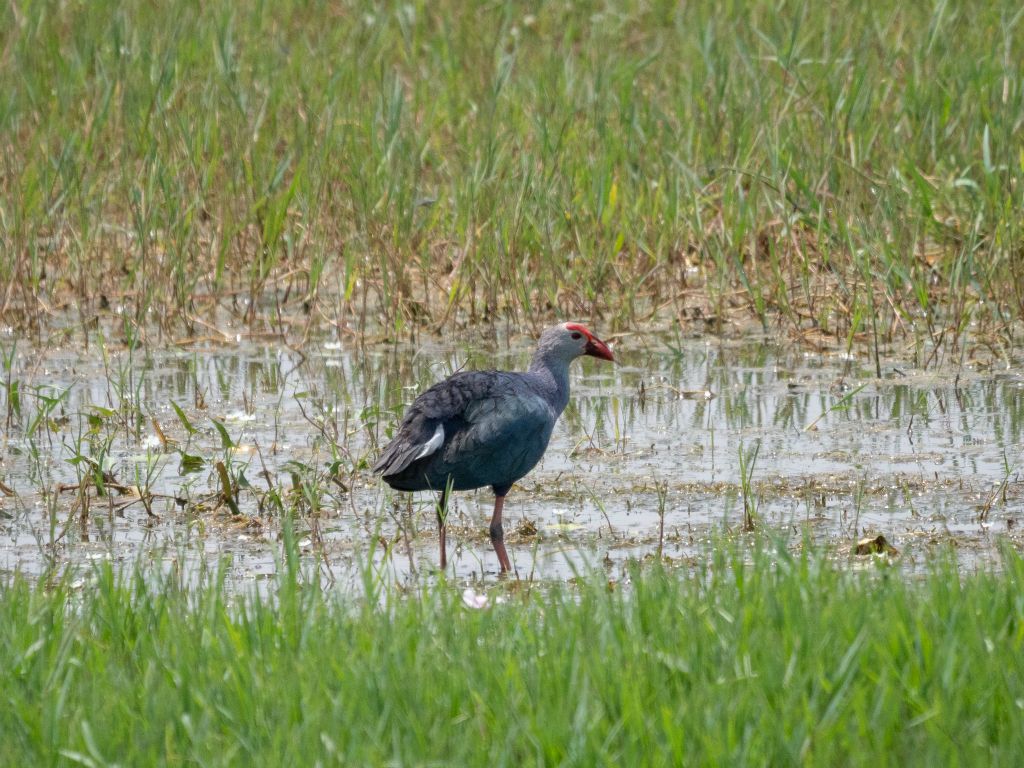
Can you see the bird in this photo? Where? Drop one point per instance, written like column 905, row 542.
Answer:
column 486, row 428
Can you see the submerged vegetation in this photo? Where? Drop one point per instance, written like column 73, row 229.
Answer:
column 850, row 169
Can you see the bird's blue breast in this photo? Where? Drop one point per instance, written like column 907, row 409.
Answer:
column 500, row 461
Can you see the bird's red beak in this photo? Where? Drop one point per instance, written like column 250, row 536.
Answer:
column 597, row 348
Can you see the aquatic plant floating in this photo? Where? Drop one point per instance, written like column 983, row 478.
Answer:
column 878, row 545
column 480, row 428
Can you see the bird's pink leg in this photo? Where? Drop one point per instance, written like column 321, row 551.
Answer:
column 498, row 534
column 442, row 517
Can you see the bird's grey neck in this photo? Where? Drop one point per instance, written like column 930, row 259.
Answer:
column 552, row 378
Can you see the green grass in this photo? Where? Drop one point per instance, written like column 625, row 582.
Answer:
column 762, row 659
column 847, row 167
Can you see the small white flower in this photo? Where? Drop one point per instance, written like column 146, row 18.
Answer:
column 474, row 600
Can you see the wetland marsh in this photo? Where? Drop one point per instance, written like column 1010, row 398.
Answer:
column 237, row 239
column 118, row 455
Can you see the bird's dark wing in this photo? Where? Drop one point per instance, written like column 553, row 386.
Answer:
column 441, row 412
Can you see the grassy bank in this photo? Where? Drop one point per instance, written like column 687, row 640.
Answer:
column 778, row 661
column 848, row 167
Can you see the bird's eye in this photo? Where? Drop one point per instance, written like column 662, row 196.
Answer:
column 577, row 335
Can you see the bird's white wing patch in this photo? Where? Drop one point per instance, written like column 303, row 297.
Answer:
column 435, row 442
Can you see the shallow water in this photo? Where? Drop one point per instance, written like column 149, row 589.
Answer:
column 646, row 457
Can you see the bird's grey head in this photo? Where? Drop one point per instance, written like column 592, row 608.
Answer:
column 568, row 341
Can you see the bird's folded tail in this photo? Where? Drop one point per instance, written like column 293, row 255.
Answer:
column 401, row 452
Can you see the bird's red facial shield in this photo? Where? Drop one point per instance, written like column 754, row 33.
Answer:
column 595, row 347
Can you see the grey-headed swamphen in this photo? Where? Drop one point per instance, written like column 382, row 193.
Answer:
column 479, row 428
